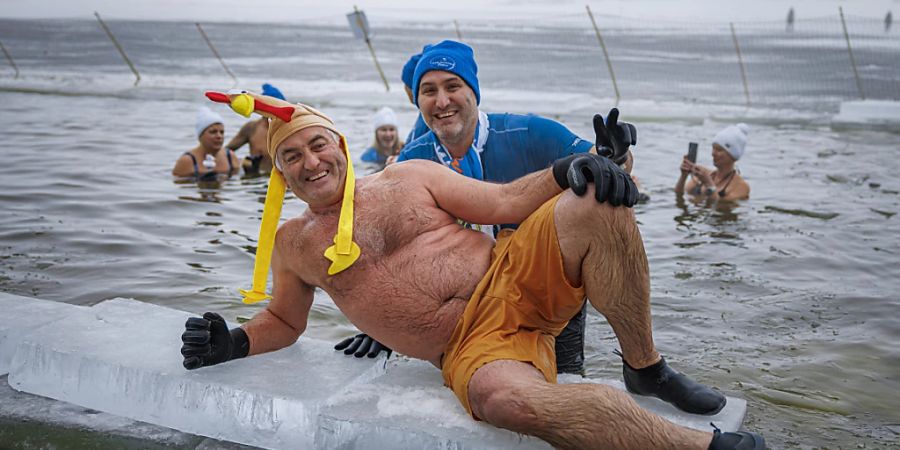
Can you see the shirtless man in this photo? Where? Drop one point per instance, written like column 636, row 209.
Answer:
column 434, row 290
column 254, row 134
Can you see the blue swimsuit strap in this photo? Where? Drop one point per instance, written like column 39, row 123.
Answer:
column 196, row 167
column 228, row 153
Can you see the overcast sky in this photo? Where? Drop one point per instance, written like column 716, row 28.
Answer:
column 334, row 10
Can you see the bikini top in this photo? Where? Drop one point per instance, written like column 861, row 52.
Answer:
column 696, row 189
column 197, row 167
column 730, row 178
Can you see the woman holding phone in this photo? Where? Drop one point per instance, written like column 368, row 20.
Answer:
column 724, row 182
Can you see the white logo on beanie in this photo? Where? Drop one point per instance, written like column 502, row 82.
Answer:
column 443, row 62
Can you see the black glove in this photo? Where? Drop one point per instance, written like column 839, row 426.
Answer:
column 614, row 137
column 610, row 181
column 362, row 344
column 207, row 341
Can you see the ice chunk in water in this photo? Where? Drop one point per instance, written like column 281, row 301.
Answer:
column 20, row 316
column 868, row 114
column 27, row 408
column 124, row 359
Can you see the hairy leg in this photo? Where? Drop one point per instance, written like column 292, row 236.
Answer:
column 602, row 247
column 515, row 396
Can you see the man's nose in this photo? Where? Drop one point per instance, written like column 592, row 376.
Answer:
column 311, row 162
column 443, row 100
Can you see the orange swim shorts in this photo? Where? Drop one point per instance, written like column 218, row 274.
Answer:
column 523, row 302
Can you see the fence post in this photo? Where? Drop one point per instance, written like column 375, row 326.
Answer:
column 737, row 48
column 358, row 17
column 213, row 48
column 9, row 58
column 119, row 47
column 850, row 51
column 612, row 74
column 458, row 34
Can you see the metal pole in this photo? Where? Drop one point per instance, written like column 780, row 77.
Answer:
column 850, row 51
column 612, row 74
column 359, row 22
column 119, row 47
column 9, row 58
column 737, row 48
column 213, row 48
column 458, row 34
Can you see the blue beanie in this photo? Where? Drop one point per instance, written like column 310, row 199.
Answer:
column 272, row 91
column 449, row 56
column 409, row 69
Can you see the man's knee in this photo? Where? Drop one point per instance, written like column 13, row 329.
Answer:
column 506, row 407
column 585, row 209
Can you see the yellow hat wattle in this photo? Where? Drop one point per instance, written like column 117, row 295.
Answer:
column 344, row 252
column 267, row 229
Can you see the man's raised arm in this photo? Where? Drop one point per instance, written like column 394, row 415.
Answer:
column 477, row 201
column 487, row 203
column 242, row 137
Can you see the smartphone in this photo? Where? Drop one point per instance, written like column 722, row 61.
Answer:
column 692, row 152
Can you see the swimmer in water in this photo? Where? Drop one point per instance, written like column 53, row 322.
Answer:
column 206, row 160
column 725, row 182
column 387, row 144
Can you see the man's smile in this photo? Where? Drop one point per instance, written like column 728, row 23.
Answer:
column 317, row 176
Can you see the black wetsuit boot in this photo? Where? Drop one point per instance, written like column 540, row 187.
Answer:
column 740, row 440
column 570, row 345
column 663, row 382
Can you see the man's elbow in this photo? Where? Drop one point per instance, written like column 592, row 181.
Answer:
column 292, row 330
column 269, row 332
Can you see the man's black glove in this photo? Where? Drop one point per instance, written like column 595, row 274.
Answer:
column 362, row 344
column 611, row 183
column 207, row 341
column 614, row 137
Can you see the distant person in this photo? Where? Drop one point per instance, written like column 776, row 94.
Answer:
column 888, row 18
column 409, row 69
column 790, row 20
column 723, row 183
column 254, row 134
column 206, row 161
column 386, row 144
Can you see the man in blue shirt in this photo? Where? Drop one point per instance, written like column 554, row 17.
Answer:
column 492, row 147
